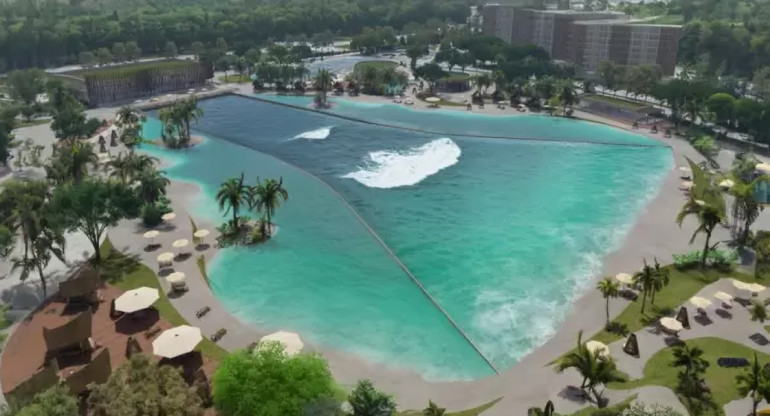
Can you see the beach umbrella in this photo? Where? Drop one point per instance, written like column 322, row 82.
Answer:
column 176, row 278
column 169, row 216
column 686, row 185
column 740, row 285
column 755, row 287
column 165, row 257
column 763, row 167
column 177, row 341
column 432, row 100
column 136, row 299
column 181, row 243
column 685, row 169
column 724, row 297
column 201, row 234
column 291, row 342
column 598, row 348
column 150, row 235
column 671, row 324
column 727, row 184
column 624, row 278
column 700, row 302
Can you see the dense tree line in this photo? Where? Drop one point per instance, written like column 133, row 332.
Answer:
column 54, row 33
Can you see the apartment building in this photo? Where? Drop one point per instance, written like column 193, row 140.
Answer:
column 585, row 38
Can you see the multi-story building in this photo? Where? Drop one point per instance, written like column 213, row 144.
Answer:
column 585, row 38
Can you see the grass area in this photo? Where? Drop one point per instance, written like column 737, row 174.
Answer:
column 470, row 412
column 457, row 76
column 235, row 78
column 682, row 286
column 374, row 64
column 607, row 411
column 669, row 19
column 658, row 370
column 126, row 273
column 35, row 122
column 615, row 101
column 136, row 69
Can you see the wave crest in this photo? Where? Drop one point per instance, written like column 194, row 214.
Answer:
column 317, row 134
column 391, row 169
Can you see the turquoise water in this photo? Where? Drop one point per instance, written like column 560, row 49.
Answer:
column 502, row 233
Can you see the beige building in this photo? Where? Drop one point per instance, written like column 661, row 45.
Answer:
column 585, row 38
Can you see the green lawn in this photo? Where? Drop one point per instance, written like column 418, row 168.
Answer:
column 470, row 412
column 659, row 372
column 235, row 78
column 128, row 273
column 682, row 286
column 457, row 76
column 607, row 411
column 374, row 64
column 617, row 102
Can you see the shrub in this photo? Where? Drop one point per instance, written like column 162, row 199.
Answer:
column 151, row 215
column 724, row 260
column 92, row 125
column 255, row 235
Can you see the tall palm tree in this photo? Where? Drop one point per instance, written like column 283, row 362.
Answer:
column 608, row 289
column 567, row 96
column 269, row 195
column 548, row 410
column 152, row 185
column 708, row 215
column 189, row 112
column 691, row 359
column 482, row 81
column 746, row 208
column 433, row 409
column 659, row 281
column 121, row 167
column 79, row 155
column 645, row 278
column 323, row 81
column 754, row 382
column 595, row 369
column 128, row 117
column 130, row 137
column 232, row 194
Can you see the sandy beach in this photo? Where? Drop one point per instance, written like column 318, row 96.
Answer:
column 528, row 383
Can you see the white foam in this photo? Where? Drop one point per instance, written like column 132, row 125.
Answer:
column 317, row 134
column 390, row 169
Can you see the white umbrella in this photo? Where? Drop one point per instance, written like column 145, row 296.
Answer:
column 180, row 243
column 176, row 277
column 724, row 297
column 700, row 302
column 168, row 217
column 755, row 287
column 201, row 233
column 727, row 184
column 671, row 324
column 291, row 342
column 686, row 186
column 136, row 299
column 684, row 169
column 740, row 285
column 165, row 257
column 177, row 341
column 598, row 348
column 151, row 234
column 624, row 278
column 432, row 99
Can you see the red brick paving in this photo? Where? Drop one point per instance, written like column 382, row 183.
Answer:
column 24, row 352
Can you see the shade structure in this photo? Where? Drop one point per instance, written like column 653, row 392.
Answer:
column 727, row 184
column 151, row 234
column 165, row 257
column 181, row 243
column 671, row 324
column 755, row 287
column 169, row 216
column 700, row 302
column 684, row 169
column 136, row 299
column 763, row 168
column 740, row 285
column 201, row 233
column 432, row 100
column 177, row 341
column 724, row 297
column 624, row 278
column 291, row 342
column 598, row 348
column 176, row 277
column 686, row 185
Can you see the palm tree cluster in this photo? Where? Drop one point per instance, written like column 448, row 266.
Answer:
column 176, row 121
column 129, row 121
column 596, row 369
column 264, row 198
column 651, row 279
column 376, row 81
column 754, row 382
column 559, row 93
column 691, row 384
column 609, row 289
column 322, row 82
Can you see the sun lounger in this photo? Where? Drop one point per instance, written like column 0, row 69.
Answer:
column 732, row 362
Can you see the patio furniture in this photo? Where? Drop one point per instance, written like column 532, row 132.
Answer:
column 732, row 362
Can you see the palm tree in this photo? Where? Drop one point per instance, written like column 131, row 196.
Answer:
column 758, row 312
column 691, row 359
column 548, row 410
column 130, row 137
column 708, row 215
column 567, row 95
column 754, row 381
column 595, row 369
column 659, row 281
column 128, row 117
column 189, row 111
column 746, row 208
column 268, row 197
column 645, row 278
column 433, row 410
column 323, row 81
column 232, row 194
column 78, row 156
column 152, row 185
column 482, row 81
column 42, row 240
column 122, row 167
column 608, row 289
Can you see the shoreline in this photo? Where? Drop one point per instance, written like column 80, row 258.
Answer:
column 646, row 236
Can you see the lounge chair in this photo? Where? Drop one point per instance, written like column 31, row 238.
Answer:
column 732, row 362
